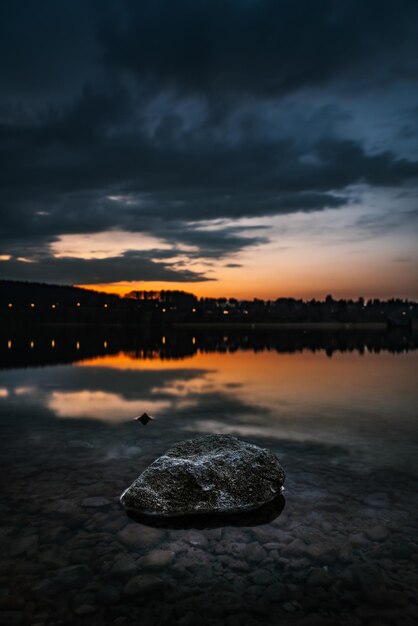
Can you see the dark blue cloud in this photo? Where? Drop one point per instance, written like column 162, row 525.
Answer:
column 182, row 111
column 262, row 46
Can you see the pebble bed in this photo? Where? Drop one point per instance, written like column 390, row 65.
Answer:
column 342, row 552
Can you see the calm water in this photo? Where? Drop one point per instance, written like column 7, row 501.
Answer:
column 337, row 408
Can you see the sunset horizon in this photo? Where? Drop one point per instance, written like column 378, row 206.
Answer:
column 238, row 159
column 243, row 293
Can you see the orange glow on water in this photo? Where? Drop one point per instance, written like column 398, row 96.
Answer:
column 298, row 377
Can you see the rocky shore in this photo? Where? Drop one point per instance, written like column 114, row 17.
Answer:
column 211, row 474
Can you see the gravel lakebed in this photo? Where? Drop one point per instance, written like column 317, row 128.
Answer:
column 343, row 551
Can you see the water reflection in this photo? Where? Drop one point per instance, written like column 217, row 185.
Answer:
column 250, row 386
column 263, row 515
column 344, row 429
column 110, row 407
column 49, row 346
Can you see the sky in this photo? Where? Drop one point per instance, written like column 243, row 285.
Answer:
column 239, row 148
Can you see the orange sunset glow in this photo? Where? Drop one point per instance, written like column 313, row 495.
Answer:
column 337, row 257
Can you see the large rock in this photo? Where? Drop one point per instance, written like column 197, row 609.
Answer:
column 211, row 474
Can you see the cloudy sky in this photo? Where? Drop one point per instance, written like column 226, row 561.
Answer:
column 226, row 147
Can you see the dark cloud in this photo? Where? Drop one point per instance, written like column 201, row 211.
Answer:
column 264, row 46
column 153, row 117
column 131, row 266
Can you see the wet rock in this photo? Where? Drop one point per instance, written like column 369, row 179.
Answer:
column 262, row 577
column 264, row 535
column 24, row 545
column 222, row 547
column 209, row 474
column 319, row 577
column 196, row 539
column 377, row 533
column 72, row 576
column 214, row 534
column 81, row 599
column 194, row 557
column 78, row 443
column 369, row 578
column 177, row 546
column 358, row 539
column 275, row 592
column 11, row 618
column 5, row 533
column 320, row 620
column 377, row 500
column 238, row 549
column 298, row 564
column 63, row 506
column 137, row 535
column 292, row 607
column 345, row 553
column 85, row 609
column 240, row 619
column 123, row 565
column 157, row 559
column 297, row 547
column 96, row 502
column 108, row 595
column 256, row 553
column 401, row 551
column 241, row 566
column 322, row 551
column 142, row 585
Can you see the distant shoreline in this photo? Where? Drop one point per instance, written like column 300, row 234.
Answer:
column 226, row 325
column 284, row 325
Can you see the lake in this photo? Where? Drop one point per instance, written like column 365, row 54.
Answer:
column 337, row 407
